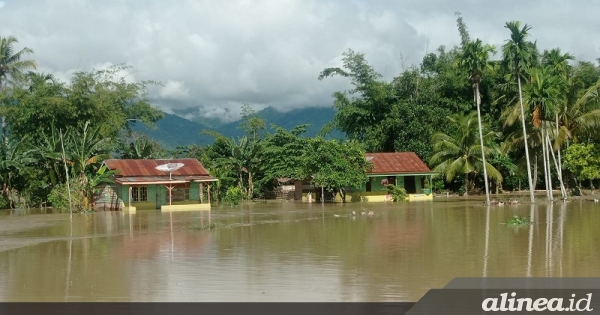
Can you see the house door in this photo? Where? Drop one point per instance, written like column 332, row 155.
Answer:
column 409, row 184
column 159, row 201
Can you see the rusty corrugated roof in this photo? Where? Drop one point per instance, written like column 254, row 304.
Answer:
column 397, row 162
column 131, row 180
column 135, row 167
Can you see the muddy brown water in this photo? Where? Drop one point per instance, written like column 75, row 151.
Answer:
column 289, row 251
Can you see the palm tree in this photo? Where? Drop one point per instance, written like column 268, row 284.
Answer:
column 474, row 59
column 544, row 95
column 458, row 153
column 559, row 65
column 581, row 120
column 517, row 54
column 11, row 65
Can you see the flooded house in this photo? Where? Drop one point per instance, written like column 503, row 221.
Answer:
column 173, row 184
column 404, row 169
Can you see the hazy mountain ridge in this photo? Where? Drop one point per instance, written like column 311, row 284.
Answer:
column 173, row 130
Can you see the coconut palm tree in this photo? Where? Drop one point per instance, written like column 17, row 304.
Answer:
column 474, row 59
column 581, row 120
column 11, row 65
column 559, row 65
column 459, row 152
column 544, row 95
column 517, row 54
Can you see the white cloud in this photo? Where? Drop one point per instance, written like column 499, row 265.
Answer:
column 174, row 90
column 216, row 55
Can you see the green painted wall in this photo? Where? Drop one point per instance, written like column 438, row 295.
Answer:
column 400, row 181
column 157, row 194
column 123, row 192
column 152, row 193
column 418, row 184
column 161, row 193
column 194, row 191
column 376, row 183
column 377, row 186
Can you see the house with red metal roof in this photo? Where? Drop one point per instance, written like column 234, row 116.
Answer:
column 404, row 169
column 174, row 184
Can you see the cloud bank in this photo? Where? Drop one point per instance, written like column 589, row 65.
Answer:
column 212, row 56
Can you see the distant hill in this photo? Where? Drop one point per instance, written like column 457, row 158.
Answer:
column 172, row 130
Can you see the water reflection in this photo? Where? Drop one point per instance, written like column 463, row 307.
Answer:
column 290, row 251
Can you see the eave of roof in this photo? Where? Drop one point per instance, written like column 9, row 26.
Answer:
column 404, row 174
column 162, row 180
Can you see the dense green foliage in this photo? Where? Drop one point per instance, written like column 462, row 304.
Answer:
column 583, row 160
column 527, row 119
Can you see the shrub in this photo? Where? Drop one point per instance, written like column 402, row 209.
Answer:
column 397, row 193
column 3, row 202
column 517, row 220
column 233, row 195
column 59, row 197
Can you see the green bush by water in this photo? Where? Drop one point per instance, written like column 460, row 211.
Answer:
column 233, row 195
column 517, row 220
column 397, row 193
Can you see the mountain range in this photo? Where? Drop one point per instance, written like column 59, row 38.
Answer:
column 173, row 130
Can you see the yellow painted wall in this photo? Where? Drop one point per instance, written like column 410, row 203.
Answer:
column 186, row 207
column 142, row 205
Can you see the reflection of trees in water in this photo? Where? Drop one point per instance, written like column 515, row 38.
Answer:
column 398, row 254
column 41, row 272
column 103, row 266
column 403, row 253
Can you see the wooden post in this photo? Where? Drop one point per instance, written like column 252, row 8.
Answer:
column 322, row 194
column 169, row 188
column 201, row 193
column 130, row 194
column 208, row 192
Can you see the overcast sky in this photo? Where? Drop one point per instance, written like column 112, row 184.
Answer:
column 212, row 56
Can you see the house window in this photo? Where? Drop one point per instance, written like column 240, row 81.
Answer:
column 179, row 194
column 368, row 186
column 139, row 193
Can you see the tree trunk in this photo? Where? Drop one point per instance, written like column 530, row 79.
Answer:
column 563, row 191
column 241, row 181
column 559, row 171
column 250, row 186
column 531, row 187
column 485, row 177
column 544, row 163
column 550, row 192
column 535, row 171
column 466, row 183
column 343, row 195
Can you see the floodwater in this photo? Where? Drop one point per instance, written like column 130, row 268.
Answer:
column 290, row 251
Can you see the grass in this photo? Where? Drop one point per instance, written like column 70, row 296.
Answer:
column 517, row 220
column 209, row 227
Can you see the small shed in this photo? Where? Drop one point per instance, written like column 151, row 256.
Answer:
column 139, row 184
